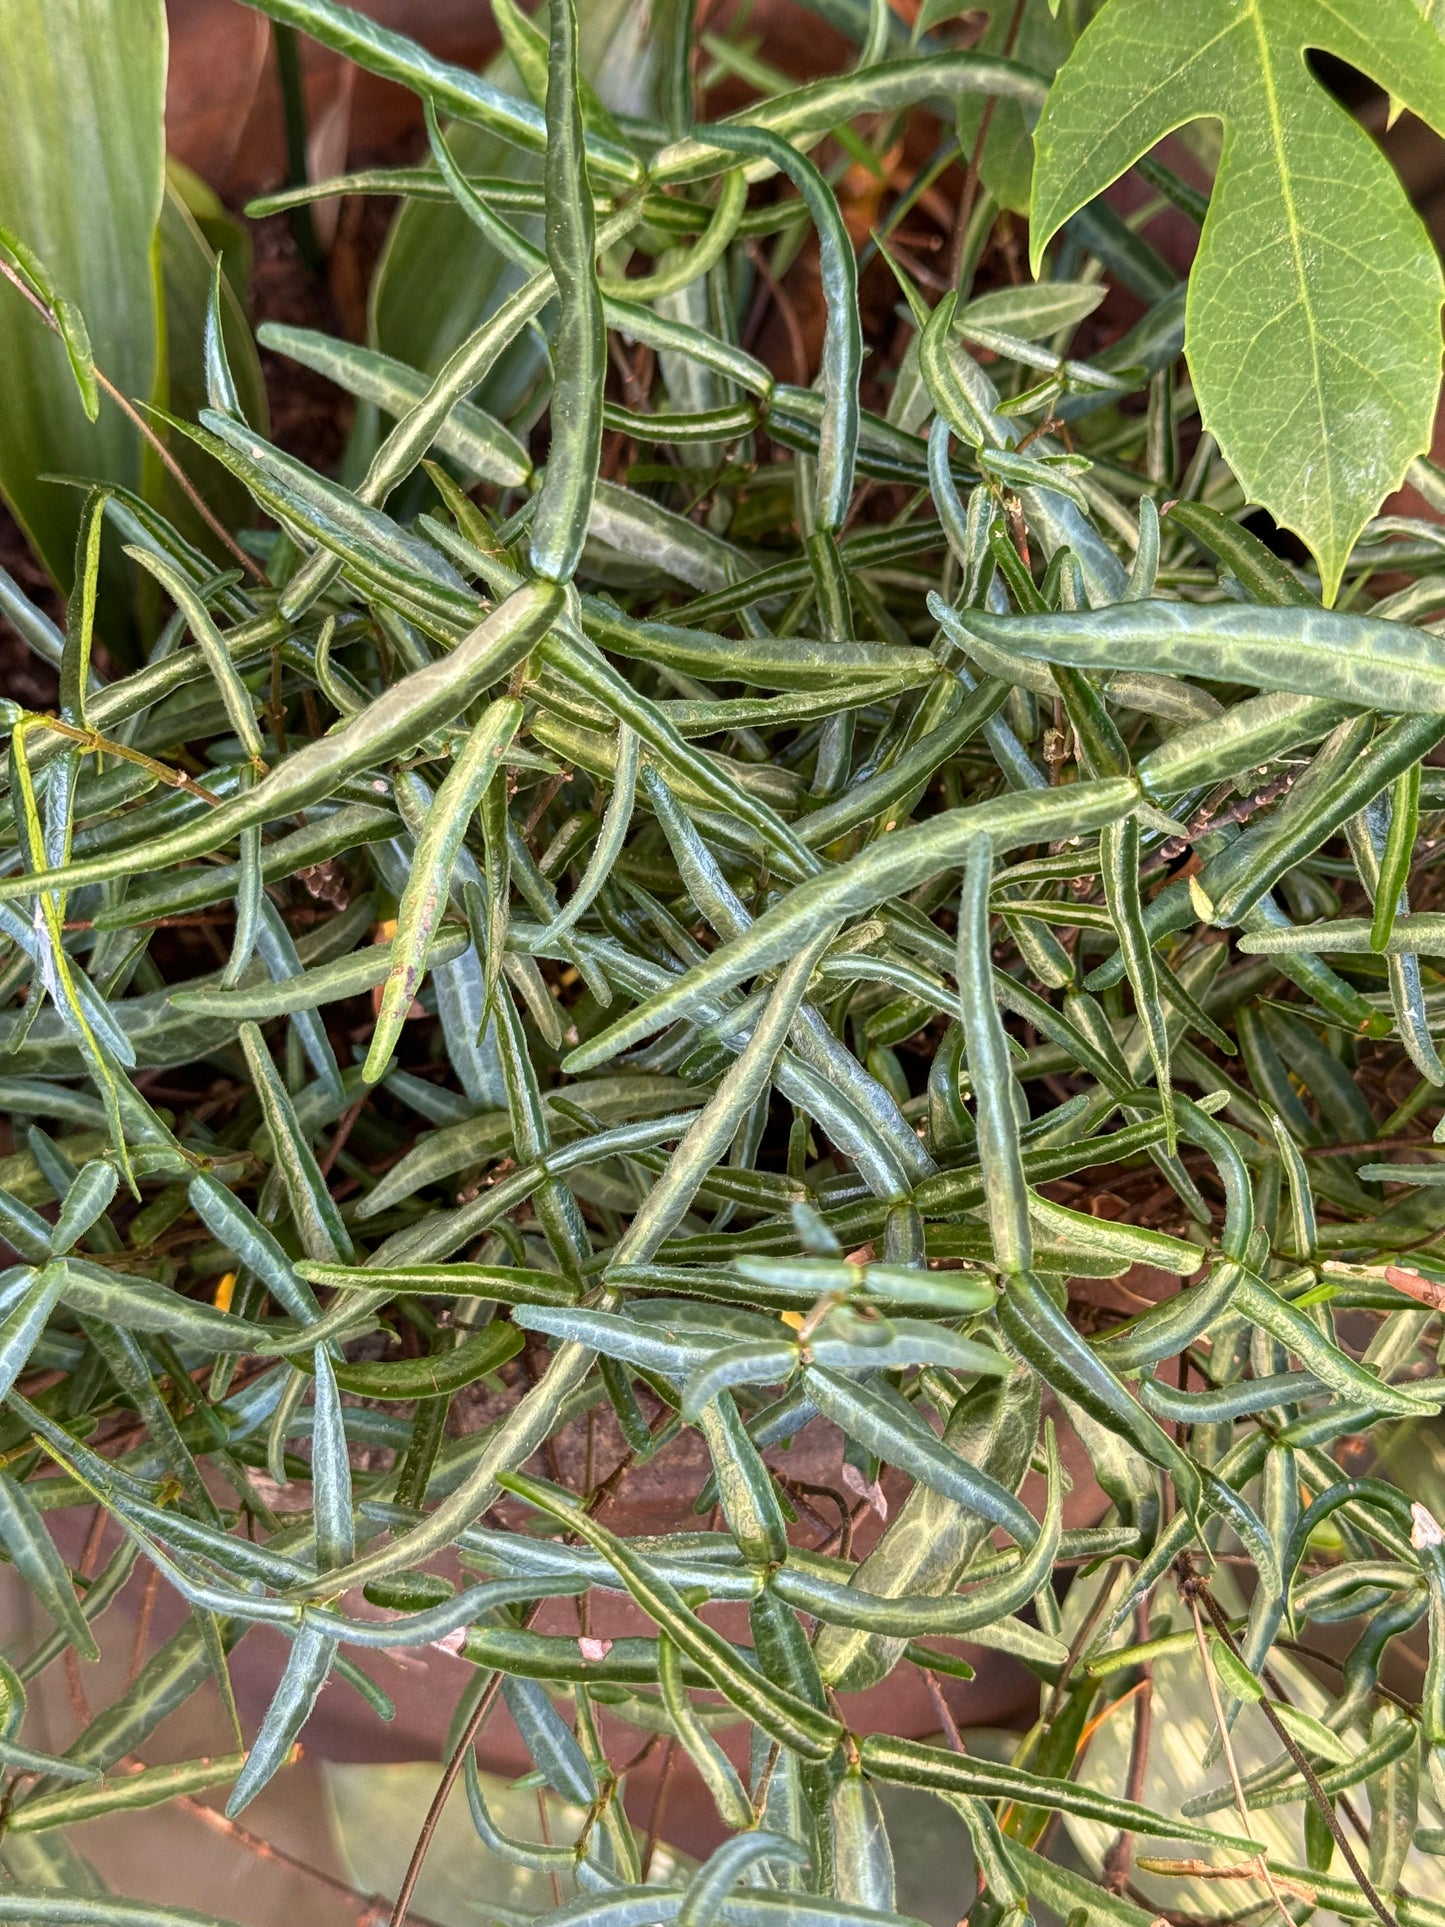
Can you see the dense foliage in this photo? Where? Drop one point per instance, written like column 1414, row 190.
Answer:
column 688, row 905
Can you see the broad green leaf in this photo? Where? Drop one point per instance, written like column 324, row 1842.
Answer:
column 81, row 184
column 1316, row 364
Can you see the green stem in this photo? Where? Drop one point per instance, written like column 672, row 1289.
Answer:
column 293, row 102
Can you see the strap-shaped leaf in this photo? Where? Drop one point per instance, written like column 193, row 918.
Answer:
column 25, row 1320
column 307, row 1666
column 32, row 1552
column 726, row 1866
column 84, row 1203
column 911, row 1764
column 888, row 868
column 714, row 1767
column 330, row 1470
column 1321, row 653
column 126, row 1794
column 417, row 704
column 427, row 888
column 1033, row 1323
column 318, row 1222
column 790, row 1720
column 990, row 1072
column 560, row 523
column 550, row 1742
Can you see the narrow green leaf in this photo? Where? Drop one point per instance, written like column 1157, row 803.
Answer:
column 126, row 1794
column 86, row 1201
column 427, row 887
column 714, row 1767
column 911, row 1764
column 888, row 868
column 1315, row 652
column 32, row 1552
column 330, row 1470
column 990, row 1072
column 25, row 1321
column 439, row 1375
column 307, row 1667
column 790, row 1720
column 580, row 348
column 318, row 1222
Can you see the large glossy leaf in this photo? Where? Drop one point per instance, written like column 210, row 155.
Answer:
column 1316, row 360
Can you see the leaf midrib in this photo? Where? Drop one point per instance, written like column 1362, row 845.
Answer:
column 1276, row 130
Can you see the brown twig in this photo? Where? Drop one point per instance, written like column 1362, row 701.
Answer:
column 1192, row 1586
column 137, row 421
column 143, row 1625
column 1120, row 1856
column 454, row 1765
column 450, row 1775
column 278, row 1856
column 797, row 347
column 944, row 1711
column 92, row 740
column 1196, row 1591
column 971, row 178
column 1075, row 1653
column 544, row 1821
column 659, row 1804
column 343, row 1132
